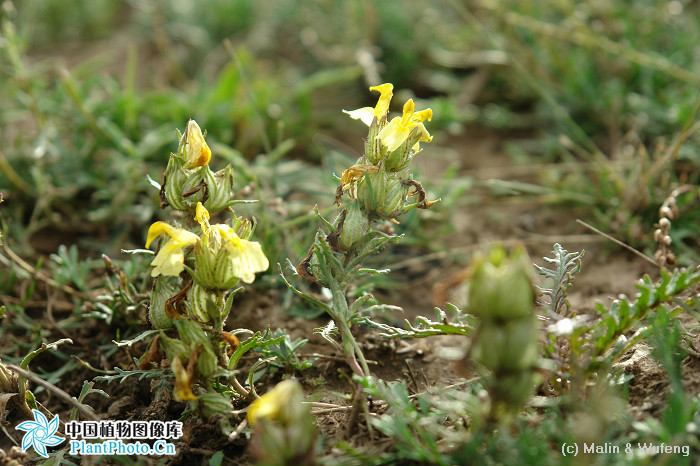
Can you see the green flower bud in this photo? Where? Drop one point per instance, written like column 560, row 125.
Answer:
column 501, row 286
column 206, row 363
column 191, row 334
column 507, row 346
column 211, row 403
column 183, row 188
column 164, row 287
column 355, row 226
column 220, row 188
column 374, row 149
column 174, row 182
column 200, row 299
column 381, row 195
column 213, row 265
column 243, row 227
column 284, row 427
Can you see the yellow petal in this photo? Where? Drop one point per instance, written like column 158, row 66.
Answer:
column 183, row 382
column 425, row 135
column 247, row 257
column 198, row 153
column 424, row 115
column 170, row 259
column 201, row 213
column 394, row 134
column 364, row 114
column 386, row 91
column 227, row 233
column 251, row 260
column 408, row 109
column 202, row 217
column 185, row 237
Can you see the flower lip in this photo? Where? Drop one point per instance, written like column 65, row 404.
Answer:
column 247, row 257
column 170, row 260
column 399, row 129
column 184, row 237
column 386, row 92
column 380, row 111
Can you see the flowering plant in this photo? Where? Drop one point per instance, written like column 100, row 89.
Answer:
column 196, row 271
column 379, row 186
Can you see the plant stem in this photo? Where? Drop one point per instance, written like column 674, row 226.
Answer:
column 239, row 388
column 353, row 352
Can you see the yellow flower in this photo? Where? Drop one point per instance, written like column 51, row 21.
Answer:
column 281, row 403
column 197, row 152
column 170, row 260
column 399, row 129
column 367, row 114
column 183, row 382
column 247, row 257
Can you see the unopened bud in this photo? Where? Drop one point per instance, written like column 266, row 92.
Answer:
column 200, row 300
column 193, row 148
column 354, row 227
column 381, row 195
column 507, row 346
column 164, row 288
column 211, row 403
column 284, row 427
column 175, row 180
column 501, row 286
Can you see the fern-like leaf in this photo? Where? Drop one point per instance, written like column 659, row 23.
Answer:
column 566, row 265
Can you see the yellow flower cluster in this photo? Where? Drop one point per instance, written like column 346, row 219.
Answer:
column 245, row 258
column 394, row 133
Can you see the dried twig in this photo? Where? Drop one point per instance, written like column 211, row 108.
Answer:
column 619, row 243
column 55, row 390
column 35, row 273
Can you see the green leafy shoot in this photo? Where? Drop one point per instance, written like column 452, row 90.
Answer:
column 460, row 324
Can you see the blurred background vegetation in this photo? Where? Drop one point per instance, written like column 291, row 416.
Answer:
column 598, row 98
